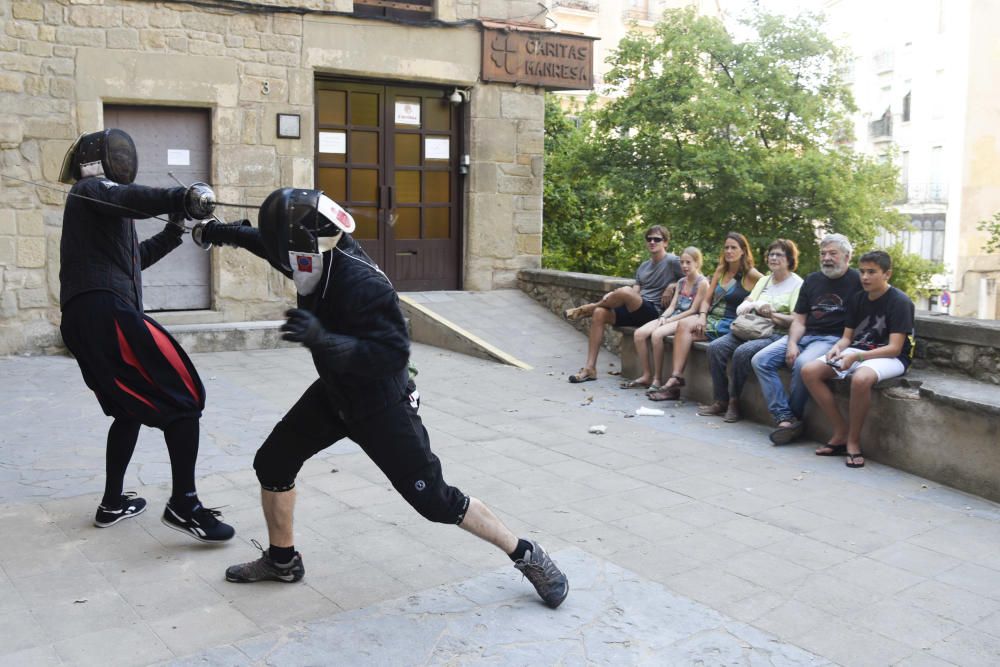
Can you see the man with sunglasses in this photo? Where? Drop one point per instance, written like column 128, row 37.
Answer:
column 630, row 306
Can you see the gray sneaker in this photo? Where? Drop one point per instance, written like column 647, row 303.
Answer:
column 265, row 569
column 550, row 583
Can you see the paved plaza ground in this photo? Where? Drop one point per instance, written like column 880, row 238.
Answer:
column 686, row 540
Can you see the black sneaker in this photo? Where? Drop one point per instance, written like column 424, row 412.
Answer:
column 551, row 584
column 265, row 569
column 201, row 523
column 132, row 505
column 783, row 435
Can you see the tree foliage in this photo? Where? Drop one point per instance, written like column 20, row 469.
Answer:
column 705, row 135
column 991, row 227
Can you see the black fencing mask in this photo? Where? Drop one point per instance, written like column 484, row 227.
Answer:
column 108, row 153
column 294, row 224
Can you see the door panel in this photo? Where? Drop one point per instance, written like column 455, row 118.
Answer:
column 396, row 172
column 170, row 139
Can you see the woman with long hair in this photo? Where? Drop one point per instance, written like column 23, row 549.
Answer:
column 732, row 281
column 773, row 298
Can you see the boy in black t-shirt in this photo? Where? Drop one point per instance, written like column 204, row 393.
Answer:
column 877, row 344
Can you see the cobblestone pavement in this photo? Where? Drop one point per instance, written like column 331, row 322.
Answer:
column 686, row 540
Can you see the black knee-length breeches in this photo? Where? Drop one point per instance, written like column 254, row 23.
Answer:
column 394, row 439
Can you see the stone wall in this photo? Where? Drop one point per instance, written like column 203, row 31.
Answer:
column 959, row 344
column 561, row 290
column 953, row 344
column 61, row 61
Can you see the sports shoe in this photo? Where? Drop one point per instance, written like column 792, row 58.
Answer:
column 201, row 523
column 132, row 505
column 551, row 584
column 265, row 569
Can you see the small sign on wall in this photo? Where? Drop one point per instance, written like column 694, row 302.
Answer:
column 177, row 157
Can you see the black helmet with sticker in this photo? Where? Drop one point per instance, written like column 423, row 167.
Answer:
column 295, row 219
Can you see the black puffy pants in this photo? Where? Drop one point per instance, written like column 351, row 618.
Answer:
column 394, row 439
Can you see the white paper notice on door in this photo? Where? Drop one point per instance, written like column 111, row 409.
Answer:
column 333, row 142
column 407, row 113
column 177, row 157
column 437, row 148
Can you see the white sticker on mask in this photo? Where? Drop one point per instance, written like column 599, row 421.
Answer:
column 307, row 270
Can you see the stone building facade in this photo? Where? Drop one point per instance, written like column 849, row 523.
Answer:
column 68, row 66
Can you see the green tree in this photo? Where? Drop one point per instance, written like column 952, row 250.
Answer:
column 991, row 227
column 706, row 134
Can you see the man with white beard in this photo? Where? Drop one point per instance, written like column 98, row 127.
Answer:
column 818, row 321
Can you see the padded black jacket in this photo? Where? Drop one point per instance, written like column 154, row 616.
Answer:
column 99, row 248
column 362, row 354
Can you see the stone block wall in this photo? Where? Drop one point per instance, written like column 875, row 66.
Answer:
column 561, row 290
column 61, row 61
column 959, row 345
column 504, row 184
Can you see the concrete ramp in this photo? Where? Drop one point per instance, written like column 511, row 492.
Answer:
column 503, row 325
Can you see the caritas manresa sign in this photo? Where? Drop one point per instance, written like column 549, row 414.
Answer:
column 555, row 61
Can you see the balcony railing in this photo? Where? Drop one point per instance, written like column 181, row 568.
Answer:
column 922, row 193
column 580, row 5
column 641, row 14
column 881, row 128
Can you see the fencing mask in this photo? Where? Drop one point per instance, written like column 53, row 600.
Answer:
column 109, row 153
column 296, row 223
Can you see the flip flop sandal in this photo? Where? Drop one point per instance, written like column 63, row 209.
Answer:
column 832, row 450
column 852, row 460
column 582, row 376
column 634, row 384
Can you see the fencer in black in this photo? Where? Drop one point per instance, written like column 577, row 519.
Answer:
column 138, row 372
column 349, row 318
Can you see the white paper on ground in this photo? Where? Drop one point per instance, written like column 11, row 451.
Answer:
column 599, row 429
column 649, row 412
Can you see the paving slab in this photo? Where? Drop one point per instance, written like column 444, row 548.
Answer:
column 734, row 551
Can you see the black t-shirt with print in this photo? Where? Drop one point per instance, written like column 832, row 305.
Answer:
column 873, row 321
column 824, row 302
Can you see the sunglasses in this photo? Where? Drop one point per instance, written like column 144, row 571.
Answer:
column 653, row 239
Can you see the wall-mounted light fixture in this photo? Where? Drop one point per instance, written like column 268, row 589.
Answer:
column 460, row 96
column 289, row 126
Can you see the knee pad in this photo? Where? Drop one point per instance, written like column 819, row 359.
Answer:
column 427, row 492
column 276, row 468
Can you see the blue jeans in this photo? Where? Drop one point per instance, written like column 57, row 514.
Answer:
column 767, row 362
column 737, row 354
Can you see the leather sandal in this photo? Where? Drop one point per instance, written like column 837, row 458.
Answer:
column 583, row 375
column 716, row 409
column 665, row 393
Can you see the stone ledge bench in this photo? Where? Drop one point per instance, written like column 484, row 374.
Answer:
column 942, row 426
column 940, row 421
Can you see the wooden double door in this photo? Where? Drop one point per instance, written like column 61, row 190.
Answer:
column 390, row 156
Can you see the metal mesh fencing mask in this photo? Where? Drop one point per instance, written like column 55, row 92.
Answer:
column 110, row 153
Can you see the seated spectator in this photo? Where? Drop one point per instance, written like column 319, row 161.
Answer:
column 687, row 298
column 816, row 325
column 732, row 281
column 773, row 298
column 877, row 345
column 630, row 306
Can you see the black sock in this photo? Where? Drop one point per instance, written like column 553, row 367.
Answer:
column 185, row 502
column 122, row 436
column 281, row 555
column 523, row 546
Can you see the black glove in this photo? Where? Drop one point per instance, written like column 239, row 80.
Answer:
column 175, row 226
column 302, row 327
